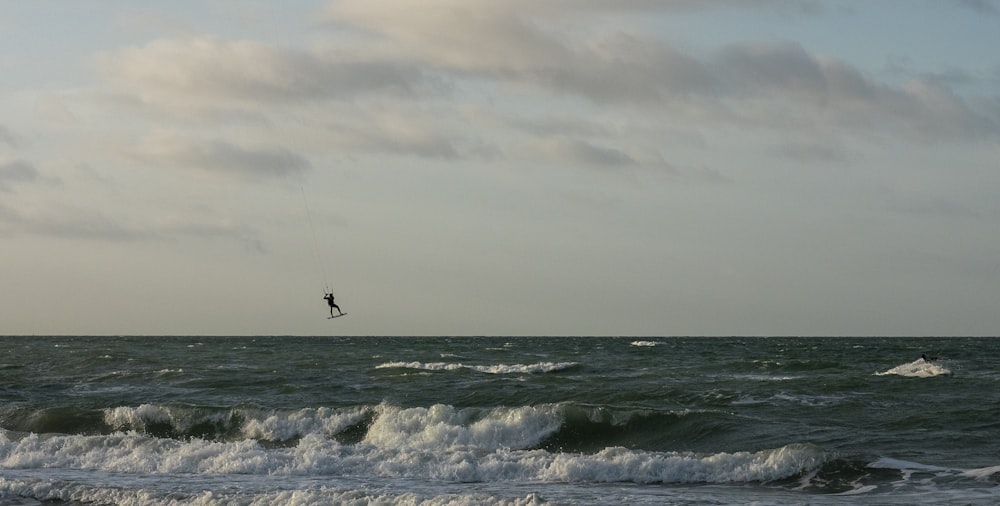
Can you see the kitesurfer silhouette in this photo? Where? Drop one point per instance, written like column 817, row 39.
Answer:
column 329, row 300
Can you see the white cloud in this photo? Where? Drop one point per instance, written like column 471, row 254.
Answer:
column 399, row 134
column 358, row 93
column 52, row 108
column 210, row 70
column 531, row 44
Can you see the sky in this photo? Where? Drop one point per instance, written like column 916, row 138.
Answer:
column 516, row 167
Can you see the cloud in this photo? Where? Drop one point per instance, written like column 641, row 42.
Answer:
column 978, row 6
column 69, row 222
column 935, row 207
column 8, row 138
column 474, row 36
column 16, row 172
column 781, row 86
column 822, row 151
column 578, row 152
column 52, row 108
column 535, row 45
column 210, row 69
column 66, row 221
column 219, row 157
column 397, row 134
column 382, row 57
column 509, row 42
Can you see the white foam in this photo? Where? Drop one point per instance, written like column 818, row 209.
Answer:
column 919, row 368
column 621, row 465
column 279, row 426
column 13, row 491
column 541, row 367
column 890, row 463
column 179, row 419
column 125, row 417
column 644, row 343
column 984, row 474
column 443, row 427
column 765, row 377
column 436, row 444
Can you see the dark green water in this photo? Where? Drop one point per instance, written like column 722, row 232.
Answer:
column 469, row 420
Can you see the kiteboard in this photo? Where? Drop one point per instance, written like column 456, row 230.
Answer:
column 336, row 316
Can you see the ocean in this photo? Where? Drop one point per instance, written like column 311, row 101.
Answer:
column 499, row 420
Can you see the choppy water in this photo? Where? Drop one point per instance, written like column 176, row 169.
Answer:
column 476, row 420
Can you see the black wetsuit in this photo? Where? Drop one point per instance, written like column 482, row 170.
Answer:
column 329, row 300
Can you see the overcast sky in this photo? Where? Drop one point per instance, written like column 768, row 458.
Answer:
column 488, row 167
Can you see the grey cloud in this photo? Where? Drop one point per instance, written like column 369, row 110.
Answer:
column 72, row 223
column 513, row 42
column 8, row 216
column 932, row 112
column 759, row 69
column 555, row 125
column 814, row 151
column 69, row 222
column 241, row 235
column 932, row 207
column 86, row 225
column 629, row 69
column 7, row 137
column 16, row 172
column 839, row 95
column 422, row 144
column 261, row 162
column 979, row 6
column 221, row 157
column 578, row 152
column 411, row 49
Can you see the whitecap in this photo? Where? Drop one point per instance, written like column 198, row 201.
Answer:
column 645, row 343
column 437, row 443
column 283, row 426
column 444, row 427
column 541, row 367
column 919, row 368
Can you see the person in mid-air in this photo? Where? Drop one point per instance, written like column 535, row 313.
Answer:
column 329, row 300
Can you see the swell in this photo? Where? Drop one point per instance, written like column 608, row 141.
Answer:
column 588, row 429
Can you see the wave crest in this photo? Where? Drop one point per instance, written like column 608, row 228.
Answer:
column 919, row 368
column 541, row 367
column 137, row 454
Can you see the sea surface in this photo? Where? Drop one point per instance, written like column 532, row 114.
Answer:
column 499, row 420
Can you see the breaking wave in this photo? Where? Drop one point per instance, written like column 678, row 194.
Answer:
column 549, row 442
column 645, row 343
column 919, row 368
column 541, row 367
column 546, row 443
